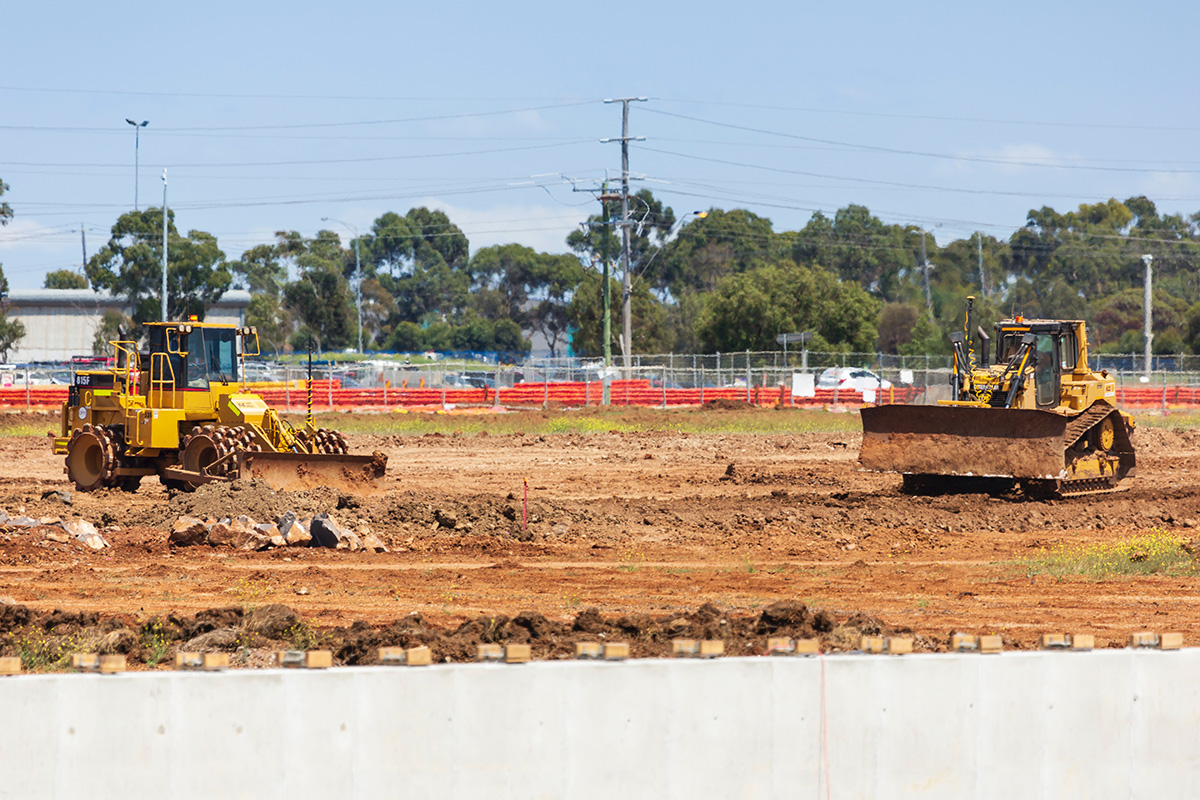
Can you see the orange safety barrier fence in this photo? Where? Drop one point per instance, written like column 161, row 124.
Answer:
column 634, row 393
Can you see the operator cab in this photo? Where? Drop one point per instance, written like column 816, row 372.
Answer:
column 1055, row 352
column 198, row 355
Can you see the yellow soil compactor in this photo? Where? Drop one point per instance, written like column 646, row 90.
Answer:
column 1039, row 417
column 179, row 411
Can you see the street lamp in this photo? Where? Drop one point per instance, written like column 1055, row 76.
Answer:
column 357, row 276
column 137, row 130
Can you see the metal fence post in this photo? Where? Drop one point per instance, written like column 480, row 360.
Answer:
column 331, row 386
column 664, row 387
column 287, row 387
column 747, row 376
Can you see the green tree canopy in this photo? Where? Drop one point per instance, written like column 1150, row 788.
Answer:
column 65, row 279
column 130, row 265
column 748, row 310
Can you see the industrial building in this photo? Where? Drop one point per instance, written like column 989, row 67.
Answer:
column 60, row 323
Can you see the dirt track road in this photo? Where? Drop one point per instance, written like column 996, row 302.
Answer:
column 631, row 523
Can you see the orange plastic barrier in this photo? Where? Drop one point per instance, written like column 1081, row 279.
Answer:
column 632, row 393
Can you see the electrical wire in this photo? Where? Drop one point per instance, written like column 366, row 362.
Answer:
column 923, row 154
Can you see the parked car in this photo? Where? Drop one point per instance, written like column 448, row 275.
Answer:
column 852, row 378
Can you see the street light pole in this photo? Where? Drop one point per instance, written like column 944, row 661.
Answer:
column 1148, row 309
column 357, row 277
column 164, row 263
column 137, row 129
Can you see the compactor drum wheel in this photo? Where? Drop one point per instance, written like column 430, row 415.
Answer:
column 326, row 440
column 207, row 450
column 90, row 458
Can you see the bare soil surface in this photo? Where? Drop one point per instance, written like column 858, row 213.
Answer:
column 638, row 537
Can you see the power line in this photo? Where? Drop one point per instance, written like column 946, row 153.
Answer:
column 922, row 154
column 363, row 160
column 937, row 118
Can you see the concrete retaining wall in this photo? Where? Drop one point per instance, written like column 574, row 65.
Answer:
column 1019, row 725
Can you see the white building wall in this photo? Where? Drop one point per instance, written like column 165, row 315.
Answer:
column 61, row 323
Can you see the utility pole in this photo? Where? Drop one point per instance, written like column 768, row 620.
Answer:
column 607, row 293
column 626, row 277
column 164, row 264
column 1147, row 259
column 83, row 244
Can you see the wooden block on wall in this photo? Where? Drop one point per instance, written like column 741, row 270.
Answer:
column 1083, row 641
column 318, row 659
column 586, row 650
column 418, row 656
column 684, row 648
column 991, row 644
column 112, row 664
column 517, row 653
column 616, row 651
column 1170, row 641
column 489, row 652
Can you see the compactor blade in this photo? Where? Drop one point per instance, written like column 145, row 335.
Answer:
column 956, row 440
column 296, row 471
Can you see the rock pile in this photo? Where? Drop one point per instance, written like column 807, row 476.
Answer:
column 243, row 533
column 54, row 529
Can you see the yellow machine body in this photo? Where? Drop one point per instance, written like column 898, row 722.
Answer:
column 1039, row 416
column 179, row 411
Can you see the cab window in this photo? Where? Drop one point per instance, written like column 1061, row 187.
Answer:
column 1046, row 370
column 1070, row 351
column 1008, row 345
column 211, row 357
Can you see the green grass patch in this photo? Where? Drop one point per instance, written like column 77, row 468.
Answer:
column 1175, row 420
column 591, row 421
column 1154, row 553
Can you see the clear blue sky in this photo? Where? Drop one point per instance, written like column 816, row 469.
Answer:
column 954, row 116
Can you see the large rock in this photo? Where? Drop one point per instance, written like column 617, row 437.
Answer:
column 373, row 543
column 188, row 532
column 221, row 534
column 294, row 530
column 270, row 531
column 86, row 532
column 250, row 540
column 325, row 531
column 243, row 523
column 20, row 522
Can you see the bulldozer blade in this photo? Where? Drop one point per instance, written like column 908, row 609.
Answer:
column 296, row 471
column 948, row 440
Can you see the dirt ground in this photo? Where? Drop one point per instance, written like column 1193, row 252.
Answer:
column 639, row 537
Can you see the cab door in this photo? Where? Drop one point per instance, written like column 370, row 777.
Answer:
column 1047, row 370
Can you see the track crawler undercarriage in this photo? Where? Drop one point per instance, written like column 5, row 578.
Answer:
column 179, row 412
column 1039, row 419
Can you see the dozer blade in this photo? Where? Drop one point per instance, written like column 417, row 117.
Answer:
column 950, row 440
column 296, row 471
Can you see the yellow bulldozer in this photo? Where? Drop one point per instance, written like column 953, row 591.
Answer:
column 179, row 411
column 1038, row 417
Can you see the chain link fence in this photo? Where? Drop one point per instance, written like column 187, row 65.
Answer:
column 757, row 376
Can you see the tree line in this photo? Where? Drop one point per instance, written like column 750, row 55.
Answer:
column 722, row 280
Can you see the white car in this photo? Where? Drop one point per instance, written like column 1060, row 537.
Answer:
column 852, row 378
